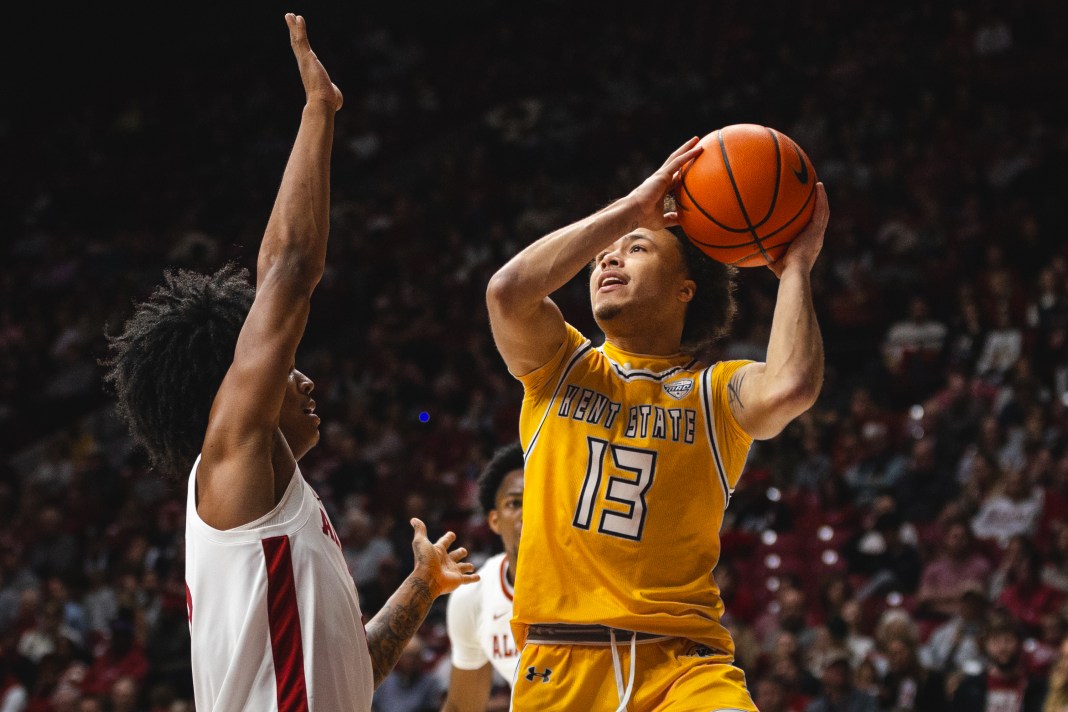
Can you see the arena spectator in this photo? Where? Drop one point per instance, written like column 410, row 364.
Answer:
column 883, row 558
column 913, row 347
column 959, row 567
column 364, row 548
column 1014, row 511
column 409, row 688
column 839, row 693
column 122, row 657
column 772, row 695
column 1025, row 597
column 955, row 646
column 1003, row 685
column 908, row 685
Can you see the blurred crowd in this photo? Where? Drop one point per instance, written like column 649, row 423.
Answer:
column 902, row 546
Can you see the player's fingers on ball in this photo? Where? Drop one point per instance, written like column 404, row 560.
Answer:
column 678, row 163
column 823, row 209
column 690, row 143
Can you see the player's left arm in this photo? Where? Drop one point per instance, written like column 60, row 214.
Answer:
column 765, row 397
column 437, row 571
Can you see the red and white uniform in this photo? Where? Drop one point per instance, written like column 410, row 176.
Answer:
column 479, row 621
column 273, row 614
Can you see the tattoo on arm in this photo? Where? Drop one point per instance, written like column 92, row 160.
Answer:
column 391, row 629
column 734, row 390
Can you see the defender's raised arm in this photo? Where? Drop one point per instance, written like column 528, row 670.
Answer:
column 241, row 470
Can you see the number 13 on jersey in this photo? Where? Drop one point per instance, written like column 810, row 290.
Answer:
column 630, row 473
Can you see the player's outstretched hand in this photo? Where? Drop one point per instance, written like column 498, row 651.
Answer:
column 442, row 570
column 317, row 84
column 650, row 195
column 806, row 247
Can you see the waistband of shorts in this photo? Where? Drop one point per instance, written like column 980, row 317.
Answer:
column 570, row 634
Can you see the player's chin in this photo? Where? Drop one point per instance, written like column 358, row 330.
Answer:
column 310, row 432
column 607, row 308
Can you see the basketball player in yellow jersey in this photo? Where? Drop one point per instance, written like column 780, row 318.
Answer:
column 632, row 450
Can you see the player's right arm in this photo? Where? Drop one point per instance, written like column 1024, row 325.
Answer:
column 469, row 690
column 528, row 327
column 236, row 477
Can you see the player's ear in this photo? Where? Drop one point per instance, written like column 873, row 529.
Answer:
column 687, row 290
column 494, row 521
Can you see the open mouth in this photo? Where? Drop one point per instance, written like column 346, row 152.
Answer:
column 611, row 280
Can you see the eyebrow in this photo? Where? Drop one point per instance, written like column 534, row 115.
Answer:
column 629, row 238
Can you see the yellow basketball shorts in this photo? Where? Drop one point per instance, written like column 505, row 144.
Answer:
column 670, row 675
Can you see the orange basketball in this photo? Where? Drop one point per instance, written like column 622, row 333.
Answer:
column 748, row 194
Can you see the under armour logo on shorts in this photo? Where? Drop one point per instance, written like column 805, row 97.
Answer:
column 532, row 672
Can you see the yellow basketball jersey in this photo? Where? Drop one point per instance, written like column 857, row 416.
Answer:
column 630, row 462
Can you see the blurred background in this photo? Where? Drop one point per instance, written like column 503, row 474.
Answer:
column 882, row 546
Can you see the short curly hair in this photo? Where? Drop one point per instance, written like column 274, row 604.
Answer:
column 169, row 360
column 712, row 309
column 504, row 460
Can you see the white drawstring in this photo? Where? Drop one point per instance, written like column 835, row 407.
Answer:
column 624, row 695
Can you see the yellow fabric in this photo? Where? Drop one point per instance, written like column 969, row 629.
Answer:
column 669, row 675
column 634, row 548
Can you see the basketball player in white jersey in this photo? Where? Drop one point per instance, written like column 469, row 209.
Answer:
column 479, row 616
column 206, row 366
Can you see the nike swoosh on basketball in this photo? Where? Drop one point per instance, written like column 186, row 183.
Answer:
column 802, row 175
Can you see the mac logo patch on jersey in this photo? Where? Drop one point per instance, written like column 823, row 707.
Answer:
column 679, row 389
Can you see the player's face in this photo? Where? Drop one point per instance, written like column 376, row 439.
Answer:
column 640, row 274
column 506, row 519
column 298, row 421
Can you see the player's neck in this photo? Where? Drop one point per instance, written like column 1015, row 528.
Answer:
column 647, row 344
column 646, row 332
column 509, row 571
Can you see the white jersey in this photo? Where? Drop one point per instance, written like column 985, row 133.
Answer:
column 273, row 614
column 479, row 621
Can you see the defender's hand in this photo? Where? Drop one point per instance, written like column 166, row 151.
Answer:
column 317, row 84
column 805, row 248
column 442, row 570
column 649, row 196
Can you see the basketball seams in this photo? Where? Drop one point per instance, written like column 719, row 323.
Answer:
column 778, row 177
column 738, row 193
column 771, row 234
column 701, row 209
column 738, row 262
